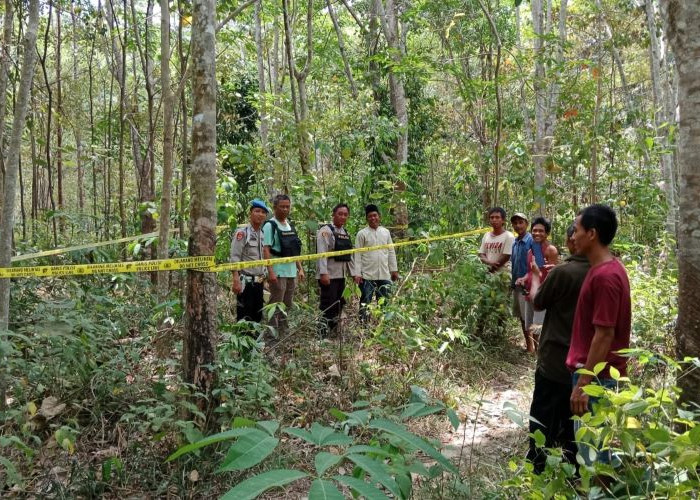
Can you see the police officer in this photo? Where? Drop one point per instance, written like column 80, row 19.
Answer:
column 247, row 245
column 331, row 271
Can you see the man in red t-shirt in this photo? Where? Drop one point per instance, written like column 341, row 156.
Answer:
column 603, row 318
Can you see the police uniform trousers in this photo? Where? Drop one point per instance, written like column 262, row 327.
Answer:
column 332, row 303
column 249, row 302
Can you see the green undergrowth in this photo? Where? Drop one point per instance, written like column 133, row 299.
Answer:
column 96, row 402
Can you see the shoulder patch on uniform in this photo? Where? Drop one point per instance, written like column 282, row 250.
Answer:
column 239, row 235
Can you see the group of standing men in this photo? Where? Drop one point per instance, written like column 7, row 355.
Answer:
column 587, row 321
column 264, row 238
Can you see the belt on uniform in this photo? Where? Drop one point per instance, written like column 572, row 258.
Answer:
column 250, row 278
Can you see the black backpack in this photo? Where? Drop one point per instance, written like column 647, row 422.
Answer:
column 290, row 244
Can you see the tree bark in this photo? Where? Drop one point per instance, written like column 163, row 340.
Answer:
column 5, row 60
column 388, row 18
column 200, row 319
column 661, row 119
column 168, row 133
column 59, row 125
column 341, row 48
column 262, row 92
column 77, row 131
column 683, row 29
column 13, row 152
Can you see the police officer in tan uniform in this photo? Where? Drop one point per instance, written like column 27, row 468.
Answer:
column 332, row 271
column 247, row 245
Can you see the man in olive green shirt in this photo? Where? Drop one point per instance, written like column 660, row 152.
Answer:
column 558, row 294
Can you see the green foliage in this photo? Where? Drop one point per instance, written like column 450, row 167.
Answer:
column 389, row 458
column 653, row 440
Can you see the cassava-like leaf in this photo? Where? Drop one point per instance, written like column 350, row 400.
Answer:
column 257, row 485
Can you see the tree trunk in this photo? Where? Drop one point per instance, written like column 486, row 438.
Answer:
column 661, row 119
column 261, row 76
column 5, row 60
column 200, row 319
column 684, row 36
column 341, row 48
column 59, row 125
column 168, row 133
column 49, row 117
column 388, row 17
column 13, row 152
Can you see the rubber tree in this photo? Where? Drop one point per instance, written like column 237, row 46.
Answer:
column 200, row 317
column 12, row 165
column 683, row 31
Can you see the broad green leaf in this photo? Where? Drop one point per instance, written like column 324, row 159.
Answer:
column 365, row 489
column 583, row 371
column 415, row 441
column 634, row 408
column 337, row 414
column 269, row 426
column 594, row 390
column 325, row 460
column 359, row 417
column 255, row 486
column 599, row 367
column 454, row 418
column 378, row 471
column 239, row 422
column 301, row 434
column 539, row 438
column 216, row 438
column 248, row 451
column 324, row 490
column 12, row 476
column 614, row 373
column 362, row 448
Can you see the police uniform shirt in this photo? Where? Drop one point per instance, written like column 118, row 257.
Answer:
column 247, row 245
column 325, row 242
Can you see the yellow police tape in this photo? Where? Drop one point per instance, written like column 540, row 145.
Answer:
column 89, row 246
column 202, row 263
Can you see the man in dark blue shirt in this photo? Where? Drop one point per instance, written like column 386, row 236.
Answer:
column 522, row 309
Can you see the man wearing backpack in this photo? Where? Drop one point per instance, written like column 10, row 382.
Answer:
column 281, row 240
column 332, row 271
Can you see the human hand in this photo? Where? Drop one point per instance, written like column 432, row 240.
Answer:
column 236, row 286
column 272, row 277
column 579, row 400
column 300, row 274
column 325, row 279
column 394, row 275
column 357, row 279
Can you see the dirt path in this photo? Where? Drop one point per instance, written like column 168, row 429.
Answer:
column 489, row 435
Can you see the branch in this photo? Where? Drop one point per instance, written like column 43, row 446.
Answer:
column 234, row 14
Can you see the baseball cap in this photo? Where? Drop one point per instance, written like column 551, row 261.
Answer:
column 258, row 203
column 519, row 215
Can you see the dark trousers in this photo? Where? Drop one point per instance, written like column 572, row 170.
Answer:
column 370, row 288
column 250, row 302
column 550, row 406
column 332, row 303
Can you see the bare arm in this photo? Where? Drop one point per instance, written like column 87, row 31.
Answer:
column 600, row 347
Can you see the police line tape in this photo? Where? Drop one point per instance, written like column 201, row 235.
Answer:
column 127, row 239
column 203, row 263
column 97, row 244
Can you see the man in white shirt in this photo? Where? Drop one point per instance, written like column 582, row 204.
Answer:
column 497, row 245
column 374, row 271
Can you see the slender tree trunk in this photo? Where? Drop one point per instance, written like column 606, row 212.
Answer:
column 91, row 106
column 5, row 60
column 388, row 17
column 262, row 92
column 77, row 130
column 661, row 119
column 49, row 118
column 168, row 133
column 13, row 153
column 122, row 121
column 200, row 319
column 184, row 145
column 341, row 47
column 59, row 125
column 683, row 28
